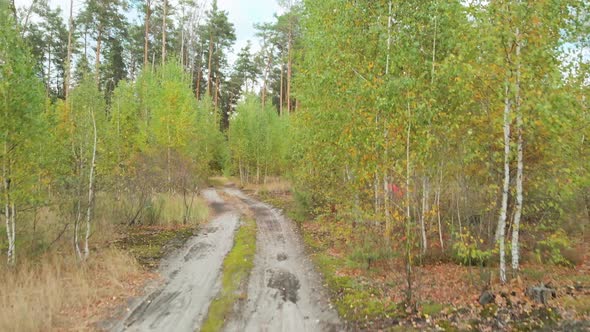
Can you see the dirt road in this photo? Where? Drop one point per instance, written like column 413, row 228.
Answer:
column 284, row 291
column 192, row 278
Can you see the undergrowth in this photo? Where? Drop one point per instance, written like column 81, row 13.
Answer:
column 56, row 292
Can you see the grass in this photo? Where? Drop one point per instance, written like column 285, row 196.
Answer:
column 57, row 293
column 432, row 308
column 218, row 181
column 168, row 209
column 236, row 269
column 50, row 290
column 356, row 300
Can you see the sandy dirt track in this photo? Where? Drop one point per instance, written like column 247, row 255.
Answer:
column 192, row 278
column 284, row 292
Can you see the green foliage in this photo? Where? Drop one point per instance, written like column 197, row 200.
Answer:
column 467, row 251
column 369, row 251
column 355, row 301
column 22, row 126
column 258, row 141
column 551, row 249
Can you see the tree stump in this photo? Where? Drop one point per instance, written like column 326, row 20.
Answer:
column 486, row 298
column 541, row 294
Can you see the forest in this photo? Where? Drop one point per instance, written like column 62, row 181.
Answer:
column 421, row 147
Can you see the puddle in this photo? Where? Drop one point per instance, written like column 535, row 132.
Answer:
column 286, row 283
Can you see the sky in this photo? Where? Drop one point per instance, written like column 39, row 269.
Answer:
column 242, row 13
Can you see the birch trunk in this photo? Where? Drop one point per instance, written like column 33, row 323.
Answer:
column 423, row 216
column 506, row 185
column 520, row 165
column 12, row 243
column 289, row 62
column 438, row 191
column 90, row 187
column 9, row 218
column 408, row 212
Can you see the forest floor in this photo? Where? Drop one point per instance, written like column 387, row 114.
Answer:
column 283, row 291
column 445, row 296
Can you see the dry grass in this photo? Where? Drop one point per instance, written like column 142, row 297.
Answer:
column 49, row 290
column 272, row 185
column 173, row 209
column 57, row 293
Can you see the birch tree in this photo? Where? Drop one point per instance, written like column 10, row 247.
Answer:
column 21, row 104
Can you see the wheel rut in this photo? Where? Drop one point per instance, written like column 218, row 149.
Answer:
column 285, row 292
column 191, row 278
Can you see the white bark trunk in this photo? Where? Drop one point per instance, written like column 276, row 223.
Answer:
column 90, row 188
column 506, row 185
column 12, row 258
column 440, row 235
column 520, row 166
column 8, row 207
column 424, row 212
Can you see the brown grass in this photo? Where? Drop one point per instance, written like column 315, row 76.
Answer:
column 272, row 185
column 57, row 293
column 49, row 290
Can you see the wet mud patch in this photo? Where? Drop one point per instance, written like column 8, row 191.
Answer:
column 210, row 230
column 281, row 257
column 286, row 283
column 149, row 244
column 219, row 207
column 197, row 251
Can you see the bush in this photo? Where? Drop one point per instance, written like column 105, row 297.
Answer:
column 303, row 205
column 552, row 249
column 467, row 252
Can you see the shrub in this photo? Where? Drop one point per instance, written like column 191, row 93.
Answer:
column 551, row 250
column 467, row 252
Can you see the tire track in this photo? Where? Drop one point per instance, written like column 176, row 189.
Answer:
column 192, row 278
column 285, row 293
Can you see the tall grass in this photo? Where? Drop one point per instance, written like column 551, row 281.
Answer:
column 50, row 290
column 55, row 292
column 173, row 209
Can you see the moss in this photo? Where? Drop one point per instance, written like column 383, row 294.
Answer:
column 236, row 269
column 432, row 309
column 489, row 311
column 149, row 245
column 533, row 274
column 447, row 326
column 355, row 301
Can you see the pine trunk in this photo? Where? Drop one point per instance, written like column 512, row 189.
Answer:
column 69, row 59
column 146, row 37
column 164, row 31
column 98, row 50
